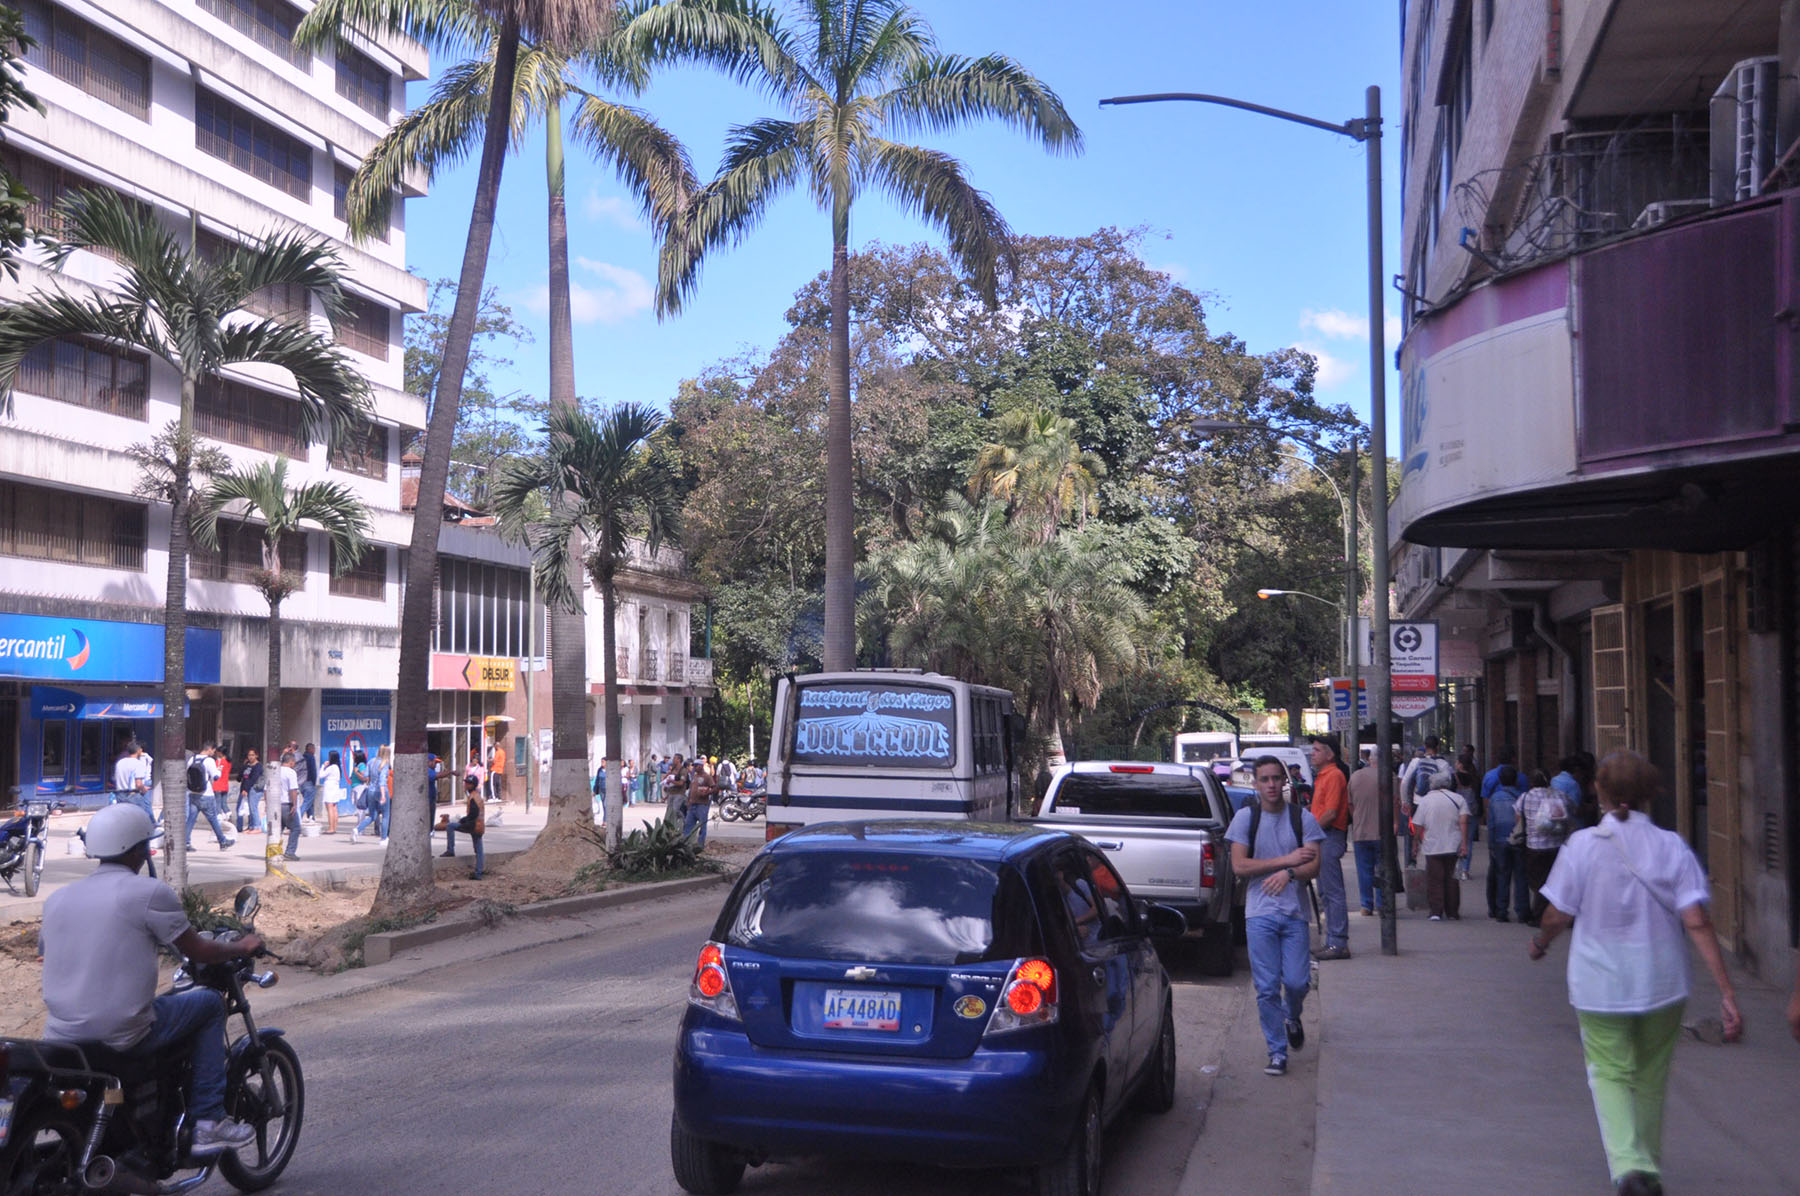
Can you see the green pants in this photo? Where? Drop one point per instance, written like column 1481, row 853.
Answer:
column 1628, row 1056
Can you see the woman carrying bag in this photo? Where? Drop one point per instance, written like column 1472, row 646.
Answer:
column 1630, row 889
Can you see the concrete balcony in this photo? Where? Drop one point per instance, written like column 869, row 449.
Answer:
column 699, row 671
column 666, row 561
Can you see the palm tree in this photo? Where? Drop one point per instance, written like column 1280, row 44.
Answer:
column 609, row 479
column 185, row 310
column 263, row 491
column 438, row 133
column 854, row 73
column 1037, row 469
column 505, row 26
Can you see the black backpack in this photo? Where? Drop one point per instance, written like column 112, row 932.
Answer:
column 196, row 776
column 1256, row 821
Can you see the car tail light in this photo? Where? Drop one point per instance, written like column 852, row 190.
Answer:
column 774, row 830
column 1133, row 768
column 711, row 987
column 1208, row 866
column 1028, row 998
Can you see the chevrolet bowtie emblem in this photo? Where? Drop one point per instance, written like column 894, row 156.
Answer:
column 859, row 973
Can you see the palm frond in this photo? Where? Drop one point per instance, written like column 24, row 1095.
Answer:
column 290, row 257
column 450, row 27
column 650, row 161
column 336, row 510
column 946, row 92
column 932, row 185
column 101, row 218
column 261, row 489
column 741, row 38
column 334, row 395
column 54, row 315
column 761, row 160
column 897, row 46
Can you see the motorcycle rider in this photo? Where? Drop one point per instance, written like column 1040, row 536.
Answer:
column 99, row 943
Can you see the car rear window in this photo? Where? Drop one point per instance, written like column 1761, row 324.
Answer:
column 1144, row 794
column 881, row 908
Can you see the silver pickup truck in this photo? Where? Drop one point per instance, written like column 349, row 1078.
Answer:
column 1163, row 828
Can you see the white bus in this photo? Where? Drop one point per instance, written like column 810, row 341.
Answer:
column 889, row 743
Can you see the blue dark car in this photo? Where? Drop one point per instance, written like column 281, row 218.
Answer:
column 958, row 993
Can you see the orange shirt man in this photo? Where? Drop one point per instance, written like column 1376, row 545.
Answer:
column 1331, row 807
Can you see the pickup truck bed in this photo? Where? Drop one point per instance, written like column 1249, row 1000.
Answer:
column 1162, row 826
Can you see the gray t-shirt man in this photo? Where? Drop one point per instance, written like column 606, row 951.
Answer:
column 1274, row 837
column 100, row 937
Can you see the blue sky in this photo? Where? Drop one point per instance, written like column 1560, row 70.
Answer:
column 1266, row 216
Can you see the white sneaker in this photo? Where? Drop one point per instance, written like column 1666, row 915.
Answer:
column 217, row 1137
column 384, row 842
column 355, row 838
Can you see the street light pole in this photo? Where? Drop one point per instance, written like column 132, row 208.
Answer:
column 1366, row 129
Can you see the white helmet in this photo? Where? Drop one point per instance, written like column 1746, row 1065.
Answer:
column 117, row 829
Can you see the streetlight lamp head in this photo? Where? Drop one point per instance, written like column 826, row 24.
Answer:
column 1265, row 594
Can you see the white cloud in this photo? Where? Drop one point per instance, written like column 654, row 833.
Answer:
column 1339, row 325
column 1333, row 370
column 620, row 295
column 611, row 208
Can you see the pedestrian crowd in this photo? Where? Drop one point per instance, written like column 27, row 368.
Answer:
column 1575, row 851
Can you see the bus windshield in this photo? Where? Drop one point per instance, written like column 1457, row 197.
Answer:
column 875, row 723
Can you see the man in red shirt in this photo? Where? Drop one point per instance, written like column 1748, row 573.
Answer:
column 1331, row 807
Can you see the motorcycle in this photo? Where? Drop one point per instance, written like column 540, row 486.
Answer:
column 747, row 804
column 86, row 1118
column 22, row 843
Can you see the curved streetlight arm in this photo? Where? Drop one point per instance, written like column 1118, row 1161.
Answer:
column 1267, row 594
column 1356, row 128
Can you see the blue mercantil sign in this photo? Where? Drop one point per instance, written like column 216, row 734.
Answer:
column 55, row 648
column 878, row 723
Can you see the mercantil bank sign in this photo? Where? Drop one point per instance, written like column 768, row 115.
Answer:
column 42, row 646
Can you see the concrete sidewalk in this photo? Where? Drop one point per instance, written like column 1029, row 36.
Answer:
column 324, row 859
column 1457, row 1065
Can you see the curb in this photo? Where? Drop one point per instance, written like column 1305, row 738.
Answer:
column 381, row 948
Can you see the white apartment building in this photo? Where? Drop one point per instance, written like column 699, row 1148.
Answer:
column 205, row 110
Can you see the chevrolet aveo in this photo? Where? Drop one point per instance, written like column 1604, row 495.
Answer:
column 967, row 994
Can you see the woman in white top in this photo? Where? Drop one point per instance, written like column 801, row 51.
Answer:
column 331, row 790
column 1630, row 889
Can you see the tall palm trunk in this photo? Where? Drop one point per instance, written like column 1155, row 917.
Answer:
column 570, row 803
column 272, row 722
column 406, row 877
column 609, row 710
column 840, row 514
column 172, row 739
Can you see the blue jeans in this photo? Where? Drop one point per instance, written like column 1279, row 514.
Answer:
column 1331, row 889
column 307, row 790
column 207, row 804
column 1506, row 872
column 199, row 1014
column 450, row 846
column 1279, row 959
column 140, row 800
column 698, row 813
column 1368, row 866
column 293, row 839
column 373, row 815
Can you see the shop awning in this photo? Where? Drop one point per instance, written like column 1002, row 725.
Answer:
column 47, row 701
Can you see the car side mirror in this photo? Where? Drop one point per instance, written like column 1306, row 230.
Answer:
column 1164, row 922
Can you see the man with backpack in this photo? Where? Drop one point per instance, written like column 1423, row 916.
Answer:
column 1274, row 852
column 202, row 771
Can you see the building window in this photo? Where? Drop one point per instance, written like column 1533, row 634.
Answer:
column 1456, row 92
column 340, row 197
column 481, row 609
column 362, row 81
column 287, row 301
column 80, row 529
column 365, row 328
column 241, row 414
column 362, row 452
column 49, row 184
column 239, row 554
column 88, row 374
column 252, row 144
column 96, row 62
column 365, row 579
column 268, row 23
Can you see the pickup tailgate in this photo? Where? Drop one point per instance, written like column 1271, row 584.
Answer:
column 1161, row 859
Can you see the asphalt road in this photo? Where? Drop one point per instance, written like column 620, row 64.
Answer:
column 548, row 1070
